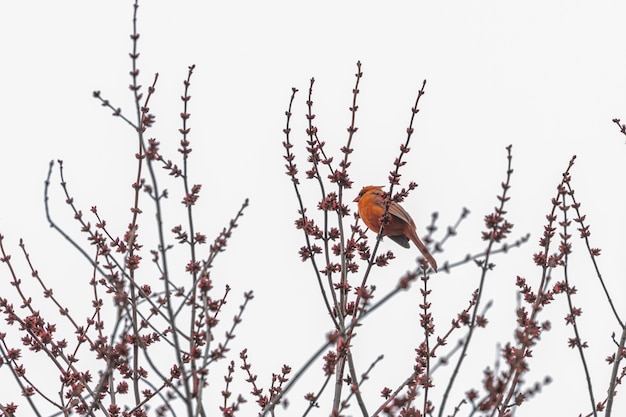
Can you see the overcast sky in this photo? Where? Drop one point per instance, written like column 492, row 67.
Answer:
column 546, row 77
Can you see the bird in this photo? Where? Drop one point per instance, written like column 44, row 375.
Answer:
column 400, row 228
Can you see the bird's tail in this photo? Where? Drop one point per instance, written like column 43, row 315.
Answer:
column 422, row 248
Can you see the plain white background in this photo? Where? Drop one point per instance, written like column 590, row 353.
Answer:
column 547, row 78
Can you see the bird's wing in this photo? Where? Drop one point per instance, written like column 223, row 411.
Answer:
column 397, row 210
column 401, row 240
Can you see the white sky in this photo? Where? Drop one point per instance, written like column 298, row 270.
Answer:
column 547, row 77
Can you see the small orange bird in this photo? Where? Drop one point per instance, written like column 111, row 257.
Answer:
column 401, row 226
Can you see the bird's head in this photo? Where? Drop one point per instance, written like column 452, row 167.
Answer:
column 367, row 189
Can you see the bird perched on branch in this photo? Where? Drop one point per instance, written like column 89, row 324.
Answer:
column 400, row 227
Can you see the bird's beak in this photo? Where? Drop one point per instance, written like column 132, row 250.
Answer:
column 356, row 200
